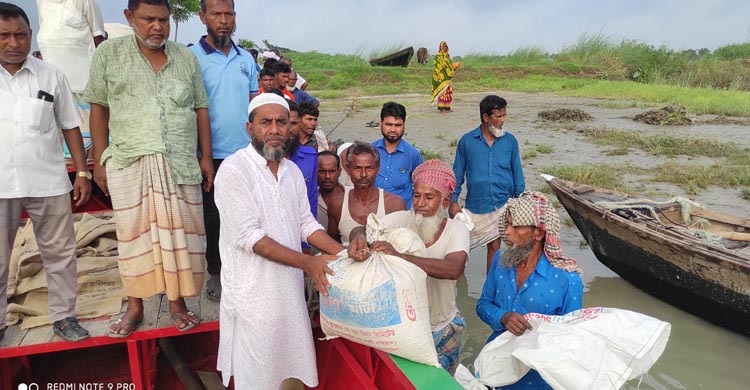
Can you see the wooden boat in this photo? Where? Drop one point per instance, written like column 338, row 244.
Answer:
column 693, row 258
column 158, row 356
column 399, row 58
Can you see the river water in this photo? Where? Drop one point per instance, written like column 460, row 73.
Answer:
column 699, row 355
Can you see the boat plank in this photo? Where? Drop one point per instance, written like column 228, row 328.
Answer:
column 13, row 336
column 39, row 335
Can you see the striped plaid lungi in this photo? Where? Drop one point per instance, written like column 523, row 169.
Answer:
column 160, row 231
column 448, row 344
column 484, row 228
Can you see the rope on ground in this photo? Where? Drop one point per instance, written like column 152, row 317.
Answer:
column 347, row 111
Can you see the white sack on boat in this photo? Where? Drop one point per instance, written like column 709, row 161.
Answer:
column 381, row 302
column 592, row 348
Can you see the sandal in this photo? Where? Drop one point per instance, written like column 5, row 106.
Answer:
column 188, row 320
column 69, row 329
column 213, row 288
column 128, row 323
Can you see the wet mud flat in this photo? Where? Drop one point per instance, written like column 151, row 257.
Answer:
column 699, row 355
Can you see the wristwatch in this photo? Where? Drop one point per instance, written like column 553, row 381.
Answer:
column 85, row 174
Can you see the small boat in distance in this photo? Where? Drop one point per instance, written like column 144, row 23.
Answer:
column 691, row 257
column 399, row 58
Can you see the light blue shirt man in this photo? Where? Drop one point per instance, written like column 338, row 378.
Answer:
column 396, row 169
column 229, row 80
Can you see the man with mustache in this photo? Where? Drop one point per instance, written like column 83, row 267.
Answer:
column 306, row 159
column 329, row 171
column 300, row 96
column 447, row 242
column 265, row 334
column 398, row 158
column 147, row 93
column 36, row 103
column 532, row 275
column 350, row 209
column 489, row 159
column 231, row 81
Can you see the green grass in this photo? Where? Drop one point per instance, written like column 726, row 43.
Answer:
column 535, row 150
column 430, row 155
column 604, row 176
column 670, row 144
column 745, row 193
column 621, row 151
column 594, row 67
column 695, row 100
column 693, row 177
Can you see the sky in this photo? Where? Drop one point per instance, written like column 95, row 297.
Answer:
column 469, row 26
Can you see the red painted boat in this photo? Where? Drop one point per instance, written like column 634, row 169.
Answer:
column 158, row 356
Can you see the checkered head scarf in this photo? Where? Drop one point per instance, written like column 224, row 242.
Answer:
column 435, row 174
column 534, row 209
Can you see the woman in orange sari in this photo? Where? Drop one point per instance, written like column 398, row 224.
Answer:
column 442, row 79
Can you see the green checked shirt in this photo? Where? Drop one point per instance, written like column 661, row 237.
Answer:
column 149, row 113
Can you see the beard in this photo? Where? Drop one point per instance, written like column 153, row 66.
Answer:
column 497, row 132
column 221, row 41
column 269, row 152
column 293, row 144
column 391, row 138
column 428, row 227
column 290, row 88
column 147, row 42
column 512, row 256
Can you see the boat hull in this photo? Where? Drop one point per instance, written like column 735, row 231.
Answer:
column 692, row 280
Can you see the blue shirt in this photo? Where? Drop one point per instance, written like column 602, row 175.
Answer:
column 306, row 159
column 548, row 290
column 229, row 81
column 493, row 174
column 396, row 168
column 301, row 96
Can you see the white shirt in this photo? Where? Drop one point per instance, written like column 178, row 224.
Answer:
column 267, row 295
column 66, row 36
column 441, row 293
column 31, row 153
column 300, row 81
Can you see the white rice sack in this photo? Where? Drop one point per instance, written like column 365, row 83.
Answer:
column 592, row 348
column 381, row 302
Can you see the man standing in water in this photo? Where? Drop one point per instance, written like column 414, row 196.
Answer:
column 531, row 276
column 489, row 160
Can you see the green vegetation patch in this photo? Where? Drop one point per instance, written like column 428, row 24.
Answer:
column 604, row 176
column 536, row 149
column 669, row 144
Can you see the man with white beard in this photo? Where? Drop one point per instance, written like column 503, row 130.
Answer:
column 488, row 158
column 447, row 242
column 532, row 275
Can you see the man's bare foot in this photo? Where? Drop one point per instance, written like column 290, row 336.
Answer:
column 126, row 324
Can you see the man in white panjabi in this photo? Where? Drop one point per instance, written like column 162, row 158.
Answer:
column 265, row 336
column 69, row 30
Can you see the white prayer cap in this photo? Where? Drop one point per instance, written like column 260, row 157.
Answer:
column 270, row 54
column 266, row 98
column 343, row 147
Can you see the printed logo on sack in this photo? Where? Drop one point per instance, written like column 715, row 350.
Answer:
column 411, row 312
column 375, row 308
